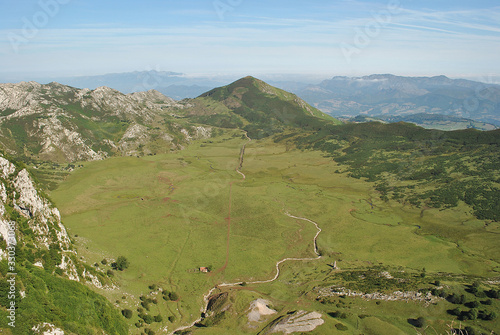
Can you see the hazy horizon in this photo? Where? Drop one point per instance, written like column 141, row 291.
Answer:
column 64, row 38
column 228, row 78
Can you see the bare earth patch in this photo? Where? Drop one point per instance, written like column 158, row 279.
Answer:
column 259, row 308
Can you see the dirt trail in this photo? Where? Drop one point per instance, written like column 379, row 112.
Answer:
column 285, row 259
column 228, row 218
column 285, row 212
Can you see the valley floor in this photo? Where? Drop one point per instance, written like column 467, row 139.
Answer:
column 175, row 214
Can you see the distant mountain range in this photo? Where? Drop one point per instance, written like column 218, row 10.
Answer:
column 389, row 95
column 172, row 84
column 428, row 121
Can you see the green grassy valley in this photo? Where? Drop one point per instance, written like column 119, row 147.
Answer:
column 247, row 211
column 171, row 215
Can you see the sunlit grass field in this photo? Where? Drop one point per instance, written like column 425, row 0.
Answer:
column 168, row 214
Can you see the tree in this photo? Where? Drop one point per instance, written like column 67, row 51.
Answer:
column 148, row 319
column 473, row 304
column 145, row 304
column 489, row 316
column 456, row 299
column 420, row 322
column 474, row 289
column 493, row 294
column 158, row 318
column 173, row 296
column 127, row 313
column 121, row 263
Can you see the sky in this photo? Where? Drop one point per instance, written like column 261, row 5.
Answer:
column 457, row 38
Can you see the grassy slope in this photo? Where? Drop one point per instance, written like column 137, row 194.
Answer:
column 258, row 108
column 166, row 214
column 58, row 301
column 426, row 168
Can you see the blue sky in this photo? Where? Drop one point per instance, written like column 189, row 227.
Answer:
column 339, row 37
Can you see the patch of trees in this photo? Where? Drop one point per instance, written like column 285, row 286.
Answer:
column 121, row 263
column 146, row 302
column 473, row 314
column 147, row 318
column 474, row 311
column 338, row 315
column 381, row 152
column 170, row 296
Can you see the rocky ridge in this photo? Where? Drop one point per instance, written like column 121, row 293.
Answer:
column 60, row 123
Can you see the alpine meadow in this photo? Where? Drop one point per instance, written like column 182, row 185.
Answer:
column 248, row 194
column 305, row 168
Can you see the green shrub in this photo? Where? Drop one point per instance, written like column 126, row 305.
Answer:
column 173, row 296
column 341, row 327
column 120, row 264
column 127, row 313
column 148, row 318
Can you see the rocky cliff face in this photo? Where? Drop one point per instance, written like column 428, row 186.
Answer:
column 29, row 221
column 60, row 123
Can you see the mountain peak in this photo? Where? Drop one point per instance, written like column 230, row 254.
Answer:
column 248, row 80
column 262, row 109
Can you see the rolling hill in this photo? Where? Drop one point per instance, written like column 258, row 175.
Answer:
column 257, row 107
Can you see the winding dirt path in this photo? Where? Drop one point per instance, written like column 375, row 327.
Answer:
column 285, row 259
column 276, row 276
